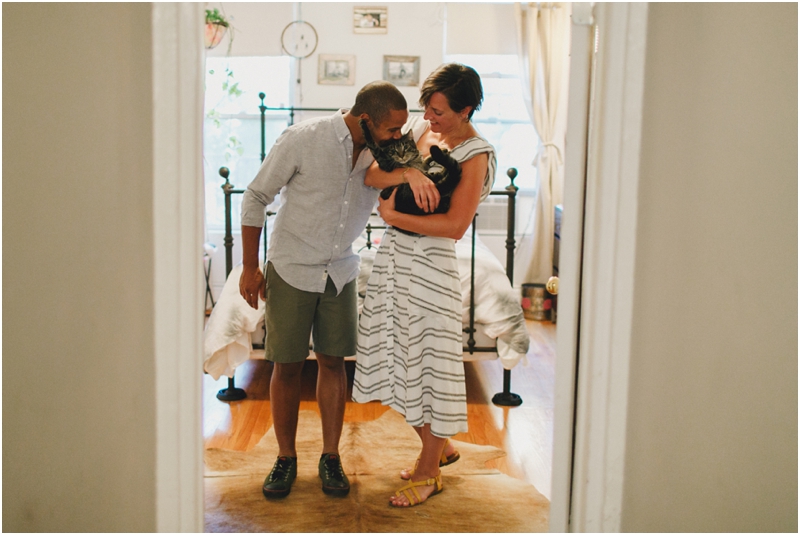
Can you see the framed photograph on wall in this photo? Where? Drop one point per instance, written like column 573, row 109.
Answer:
column 370, row 19
column 336, row 70
column 401, row 70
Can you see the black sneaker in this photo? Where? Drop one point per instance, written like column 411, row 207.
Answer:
column 279, row 482
column 332, row 475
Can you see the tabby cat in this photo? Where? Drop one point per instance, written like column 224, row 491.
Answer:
column 440, row 167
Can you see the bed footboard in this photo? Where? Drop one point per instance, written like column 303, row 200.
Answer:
column 506, row 398
column 231, row 393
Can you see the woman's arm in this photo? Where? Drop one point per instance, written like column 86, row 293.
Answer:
column 425, row 192
column 463, row 205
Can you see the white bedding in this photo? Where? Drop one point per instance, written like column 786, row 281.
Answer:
column 226, row 341
column 498, row 313
column 497, row 304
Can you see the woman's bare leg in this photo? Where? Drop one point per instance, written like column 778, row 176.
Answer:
column 449, row 449
column 427, row 467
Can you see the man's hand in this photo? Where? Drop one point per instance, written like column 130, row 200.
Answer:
column 251, row 286
column 251, row 283
column 425, row 193
column 386, row 207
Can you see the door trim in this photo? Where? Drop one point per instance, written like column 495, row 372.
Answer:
column 569, row 269
column 178, row 293
column 608, row 268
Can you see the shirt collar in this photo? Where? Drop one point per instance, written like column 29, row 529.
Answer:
column 339, row 126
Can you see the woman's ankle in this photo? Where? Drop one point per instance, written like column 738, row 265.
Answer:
column 419, row 475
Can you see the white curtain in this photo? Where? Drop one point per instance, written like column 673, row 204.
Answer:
column 543, row 37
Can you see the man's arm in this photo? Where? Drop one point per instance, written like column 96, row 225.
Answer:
column 251, row 283
column 276, row 171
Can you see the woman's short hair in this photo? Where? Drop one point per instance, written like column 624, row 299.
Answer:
column 461, row 85
column 377, row 99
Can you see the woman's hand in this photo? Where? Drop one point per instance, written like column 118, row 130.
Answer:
column 251, row 286
column 425, row 193
column 386, row 207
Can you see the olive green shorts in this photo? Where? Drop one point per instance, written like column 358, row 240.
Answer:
column 293, row 315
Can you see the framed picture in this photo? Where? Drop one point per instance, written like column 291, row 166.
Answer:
column 336, row 70
column 370, row 19
column 401, row 70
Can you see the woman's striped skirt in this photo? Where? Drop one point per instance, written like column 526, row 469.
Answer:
column 409, row 333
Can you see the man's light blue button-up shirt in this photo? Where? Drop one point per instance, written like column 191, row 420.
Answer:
column 324, row 203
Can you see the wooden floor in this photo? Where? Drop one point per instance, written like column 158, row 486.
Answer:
column 524, row 432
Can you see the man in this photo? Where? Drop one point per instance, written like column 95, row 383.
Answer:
column 319, row 167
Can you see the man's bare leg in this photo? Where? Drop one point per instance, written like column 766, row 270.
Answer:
column 284, row 394
column 331, row 392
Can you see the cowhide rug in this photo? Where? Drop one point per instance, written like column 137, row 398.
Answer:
column 475, row 499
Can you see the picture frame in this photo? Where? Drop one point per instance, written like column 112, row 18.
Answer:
column 336, row 69
column 401, row 70
column 370, row 19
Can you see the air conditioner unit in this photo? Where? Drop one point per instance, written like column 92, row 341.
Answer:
column 493, row 215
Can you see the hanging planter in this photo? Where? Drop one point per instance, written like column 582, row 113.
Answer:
column 216, row 28
column 214, row 34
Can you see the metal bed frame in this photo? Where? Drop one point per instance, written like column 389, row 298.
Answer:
column 504, row 398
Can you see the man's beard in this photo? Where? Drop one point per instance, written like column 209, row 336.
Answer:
column 382, row 143
column 386, row 142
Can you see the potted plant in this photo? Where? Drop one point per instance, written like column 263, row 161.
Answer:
column 216, row 27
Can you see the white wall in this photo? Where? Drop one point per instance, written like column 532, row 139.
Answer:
column 78, row 333
column 414, row 29
column 423, row 29
column 712, row 425
column 481, row 28
column 257, row 27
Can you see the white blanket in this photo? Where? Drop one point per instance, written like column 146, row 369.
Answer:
column 497, row 304
column 227, row 341
column 497, row 308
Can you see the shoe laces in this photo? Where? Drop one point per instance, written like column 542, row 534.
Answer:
column 281, row 469
column 333, row 467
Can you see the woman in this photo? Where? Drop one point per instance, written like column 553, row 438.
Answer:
column 410, row 344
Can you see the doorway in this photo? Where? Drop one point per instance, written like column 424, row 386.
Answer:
column 602, row 321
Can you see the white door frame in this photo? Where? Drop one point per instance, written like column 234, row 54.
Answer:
column 177, row 230
column 569, row 264
column 595, row 470
column 586, row 498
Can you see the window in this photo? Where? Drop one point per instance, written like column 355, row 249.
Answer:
column 503, row 118
column 232, row 127
column 504, row 121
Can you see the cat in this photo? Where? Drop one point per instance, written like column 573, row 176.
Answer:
column 440, row 167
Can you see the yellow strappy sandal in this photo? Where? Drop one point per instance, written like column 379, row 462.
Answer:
column 412, row 495
column 444, row 461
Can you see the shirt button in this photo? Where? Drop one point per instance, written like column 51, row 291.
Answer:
column 345, row 202
column 336, row 246
column 340, row 226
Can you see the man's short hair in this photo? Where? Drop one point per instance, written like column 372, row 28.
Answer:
column 377, row 99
